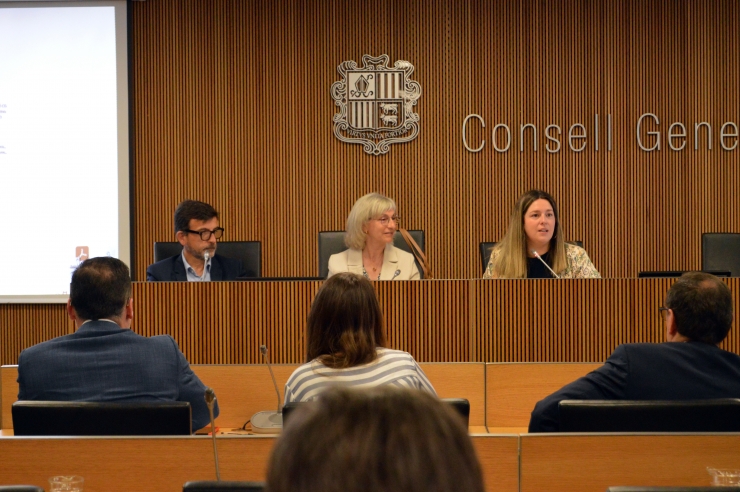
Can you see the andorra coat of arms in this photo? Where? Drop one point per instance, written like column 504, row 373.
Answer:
column 376, row 103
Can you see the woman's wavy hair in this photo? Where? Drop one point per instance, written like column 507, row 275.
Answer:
column 345, row 325
column 510, row 255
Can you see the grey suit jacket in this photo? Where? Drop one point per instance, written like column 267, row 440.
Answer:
column 649, row 371
column 397, row 264
column 103, row 362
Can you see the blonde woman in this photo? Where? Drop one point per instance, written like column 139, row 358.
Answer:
column 371, row 225
column 534, row 230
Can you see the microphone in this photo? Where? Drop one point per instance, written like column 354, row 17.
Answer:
column 206, row 257
column 268, row 422
column 210, row 397
column 536, row 255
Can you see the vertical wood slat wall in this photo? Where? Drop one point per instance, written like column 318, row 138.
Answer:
column 434, row 320
column 231, row 105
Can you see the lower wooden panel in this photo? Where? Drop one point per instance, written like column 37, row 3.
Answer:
column 165, row 464
column 513, row 389
column 593, row 462
column 434, row 320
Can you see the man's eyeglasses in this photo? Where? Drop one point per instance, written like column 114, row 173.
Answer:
column 206, row 235
column 663, row 310
column 384, row 220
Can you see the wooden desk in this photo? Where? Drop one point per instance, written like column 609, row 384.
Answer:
column 243, row 390
column 434, row 320
column 165, row 464
column 593, row 462
column 512, row 389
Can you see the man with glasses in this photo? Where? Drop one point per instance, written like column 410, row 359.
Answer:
column 689, row 366
column 197, row 229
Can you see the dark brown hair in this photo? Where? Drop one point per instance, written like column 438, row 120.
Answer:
column 100, row 288
column 702, row 307
column 383, row 439
column 345, row 325
column 192, row 209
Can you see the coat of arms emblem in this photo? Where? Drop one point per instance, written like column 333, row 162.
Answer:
column 376, row 103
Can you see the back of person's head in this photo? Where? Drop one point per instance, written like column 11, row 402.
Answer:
column 702, row 307
column 192, row 209
column 100, row 288
column 345, row 325
column 384, row 439
column 368, row 207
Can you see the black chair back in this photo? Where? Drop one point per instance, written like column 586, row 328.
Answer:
column 708, row 488
column 73, row 418
column 721, row 251
column 332, row 242
column 20, row 488
column 460, row 405
column 223, row 486
column 486, row 247
column 720, row 415
column 250, row 252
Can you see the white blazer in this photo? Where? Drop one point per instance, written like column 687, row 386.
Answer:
column 397, row 264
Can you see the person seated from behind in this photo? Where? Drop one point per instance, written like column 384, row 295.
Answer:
column 697, row 315
column 103, row 360
column 345, row 344
column 535, row 229
column 371, row 225
column 384, row 439
column 197, row 230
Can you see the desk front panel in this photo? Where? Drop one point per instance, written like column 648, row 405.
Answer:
column 436, row 320
column 165, row 464
column 594, row 462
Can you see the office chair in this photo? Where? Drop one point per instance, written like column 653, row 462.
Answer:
column 721, row 251
column 250, row 252
column 223, row 486
column 718, row 415
column 485, row 248
column 662, row 489
column 460, row 405
column 332, row 242
column 20, row 488
column 74, row 418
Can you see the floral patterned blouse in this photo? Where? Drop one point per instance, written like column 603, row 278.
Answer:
column 579, row 264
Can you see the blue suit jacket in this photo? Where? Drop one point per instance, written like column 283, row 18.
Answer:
column 103, row 362
column 649, row 371
column 173, row 269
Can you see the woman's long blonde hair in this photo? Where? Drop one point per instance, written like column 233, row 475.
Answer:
column 510, row 255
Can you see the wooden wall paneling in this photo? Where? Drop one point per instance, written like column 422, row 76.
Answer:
column 436, row 321
column 24, row 325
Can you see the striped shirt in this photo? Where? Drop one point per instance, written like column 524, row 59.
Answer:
column 392, row 367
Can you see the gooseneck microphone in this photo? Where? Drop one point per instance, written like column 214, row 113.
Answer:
column 268, row 422
column 536, row 255
column 206, row 257
column 210, row 397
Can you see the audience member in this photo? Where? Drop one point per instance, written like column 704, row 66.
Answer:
column 345, row 344
column 384, row 439
column 104, row 361
column 688, row 366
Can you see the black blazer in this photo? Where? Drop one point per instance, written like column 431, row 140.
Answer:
column 173, row 269
column 649, row 371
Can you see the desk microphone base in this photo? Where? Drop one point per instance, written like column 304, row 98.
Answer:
column 267, row 423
